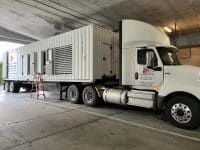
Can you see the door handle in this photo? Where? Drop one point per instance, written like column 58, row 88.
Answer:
column 136, row 75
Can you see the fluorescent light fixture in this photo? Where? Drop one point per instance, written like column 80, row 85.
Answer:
column 168, row 29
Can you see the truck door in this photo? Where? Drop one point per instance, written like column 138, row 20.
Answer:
column 148, row 69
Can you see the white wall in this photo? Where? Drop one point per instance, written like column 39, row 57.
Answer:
column 190, row 56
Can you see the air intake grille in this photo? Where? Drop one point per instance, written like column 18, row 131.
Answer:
column 63, row 60
column 12, row 68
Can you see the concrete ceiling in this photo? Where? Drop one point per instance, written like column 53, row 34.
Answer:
column 40, row 19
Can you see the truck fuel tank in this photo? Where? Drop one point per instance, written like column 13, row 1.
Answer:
column 115, row 96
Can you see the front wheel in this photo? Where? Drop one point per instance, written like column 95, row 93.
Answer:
column 183, row 112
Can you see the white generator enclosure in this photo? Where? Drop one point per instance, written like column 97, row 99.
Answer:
column 83, row 55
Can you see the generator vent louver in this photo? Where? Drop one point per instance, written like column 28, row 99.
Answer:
column 12, row 68
column 63, row 60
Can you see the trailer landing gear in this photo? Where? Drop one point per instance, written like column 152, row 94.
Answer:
column 61, row 91
column 62, row 88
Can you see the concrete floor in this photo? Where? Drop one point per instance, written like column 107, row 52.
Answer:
column 27, row 123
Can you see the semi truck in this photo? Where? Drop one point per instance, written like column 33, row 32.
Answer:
column 136, row 66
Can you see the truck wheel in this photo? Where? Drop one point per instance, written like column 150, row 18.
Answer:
column 7, row 86
column 73, row 94
column 90, row 96
column 183, row 112
column 14, row 88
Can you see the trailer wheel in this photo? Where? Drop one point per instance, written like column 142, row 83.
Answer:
column 183, row 112
column 7, row 86
column 14, row 87
column 90, row 96
column 73, row 94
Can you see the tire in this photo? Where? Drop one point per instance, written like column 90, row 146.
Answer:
column 89, row 96
column 73, row 94
column 183, row 112
column 14, row 87
column 7, row 86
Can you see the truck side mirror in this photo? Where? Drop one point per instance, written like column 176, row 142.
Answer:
column 150, row 57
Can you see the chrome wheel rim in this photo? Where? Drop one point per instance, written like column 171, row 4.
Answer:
column 181, row 113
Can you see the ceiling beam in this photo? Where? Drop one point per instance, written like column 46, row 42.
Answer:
column 7, row 35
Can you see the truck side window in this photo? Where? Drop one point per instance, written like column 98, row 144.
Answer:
column 155, row 60
column 141, row 57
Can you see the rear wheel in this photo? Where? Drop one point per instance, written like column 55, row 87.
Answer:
column 73, row 94
column 7, row 86
column 89, row 96
column 183, row 112
column 14, row 87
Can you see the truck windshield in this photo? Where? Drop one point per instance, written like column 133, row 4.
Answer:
column 168, row 56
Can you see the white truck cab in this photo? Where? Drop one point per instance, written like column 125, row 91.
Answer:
column 154, row 77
